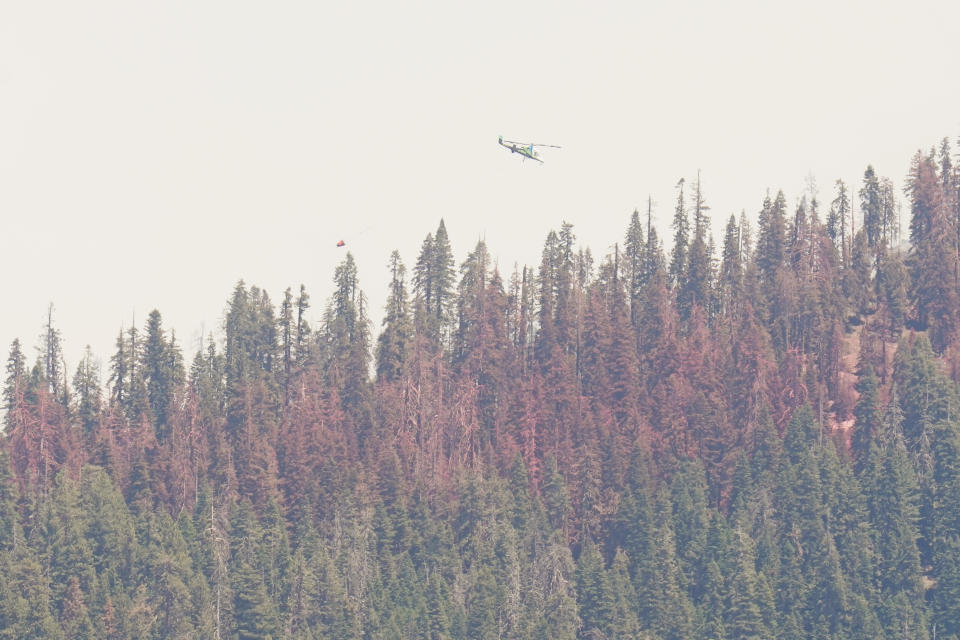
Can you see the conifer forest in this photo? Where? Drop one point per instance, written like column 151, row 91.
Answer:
column 752, row 436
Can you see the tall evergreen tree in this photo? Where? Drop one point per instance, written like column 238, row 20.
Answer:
column 889, row 214
column 837, row 221
column 634, row 251
column 433, row 281
column 731, row 267
column 397, row 331
column 592, row 596
column 137, row 400
column 285, row 326
column 871, row 208
column 743, row 613
column 868, row 414
column 556, row 495
column 688, row 497
column 51, row 354
column 858, row 277
column 118, row 382
column 255, row 615
column 86, row 389
column 933, row 259
column 11, row 531
column 347, row 335
column 892, row 285
column 303, row 327
column 681, row 240
column 163, row 372
column 892, row 499
column 26, row 608
column 664, row 605
column 772, row 239
column 14, row 383
column 253, row 397
column 698, row 284
column 622, row 607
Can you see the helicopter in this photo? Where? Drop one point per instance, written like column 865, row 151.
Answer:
column 525, row 149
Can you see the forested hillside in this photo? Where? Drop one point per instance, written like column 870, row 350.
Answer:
column 755, row 436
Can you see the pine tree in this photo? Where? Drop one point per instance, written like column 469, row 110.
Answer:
column 26, row 611
column 655, row 270
column 74, row 616
column 347, row 336
column 889, row 215
column 51, row 353
column 86, row 389
column 433, row 281
column 111, row 532
column 549, row 281
column 595, row 348
column 622, row 363
column 69, row 554
column 253, row 398
column 396, row 336
column 153, row 367
column 688, row 497
column 303, row 327
column 731, row 267
column 118, row 383
column 40, row 437
column 933, row 259
column 868, row 414
column 623, row 621
column 11, row 530
column 286, row 335
column 892, row 284
column 136, row 405
column 555, row 346
column 698, row 284
column 565, row 302
column 946, row 571
column 634, row 251
column 556, row 496
column 255, row 614
column 837, row 221
column 482, row 603
column 592, row 596
column 634, row 519
column 250, row 336
column 926, row 395
column 664, row 606
column 472, row 309
column 892, row 499
column 871, row 208
column 743, row 616
column 681, row 239
column 560, row 619
column 438, row 603
column 274, row 551
column 714, row 608
column 772, row 239
column 14, row 384
column 858, row 277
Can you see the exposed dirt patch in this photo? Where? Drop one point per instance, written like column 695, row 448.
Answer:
column 841, row 419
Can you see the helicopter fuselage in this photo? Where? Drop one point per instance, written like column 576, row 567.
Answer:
column 526, row 152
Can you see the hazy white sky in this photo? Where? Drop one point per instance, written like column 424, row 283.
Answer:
column 154, row 153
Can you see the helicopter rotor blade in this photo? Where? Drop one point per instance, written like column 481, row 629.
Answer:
column 530, row 144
